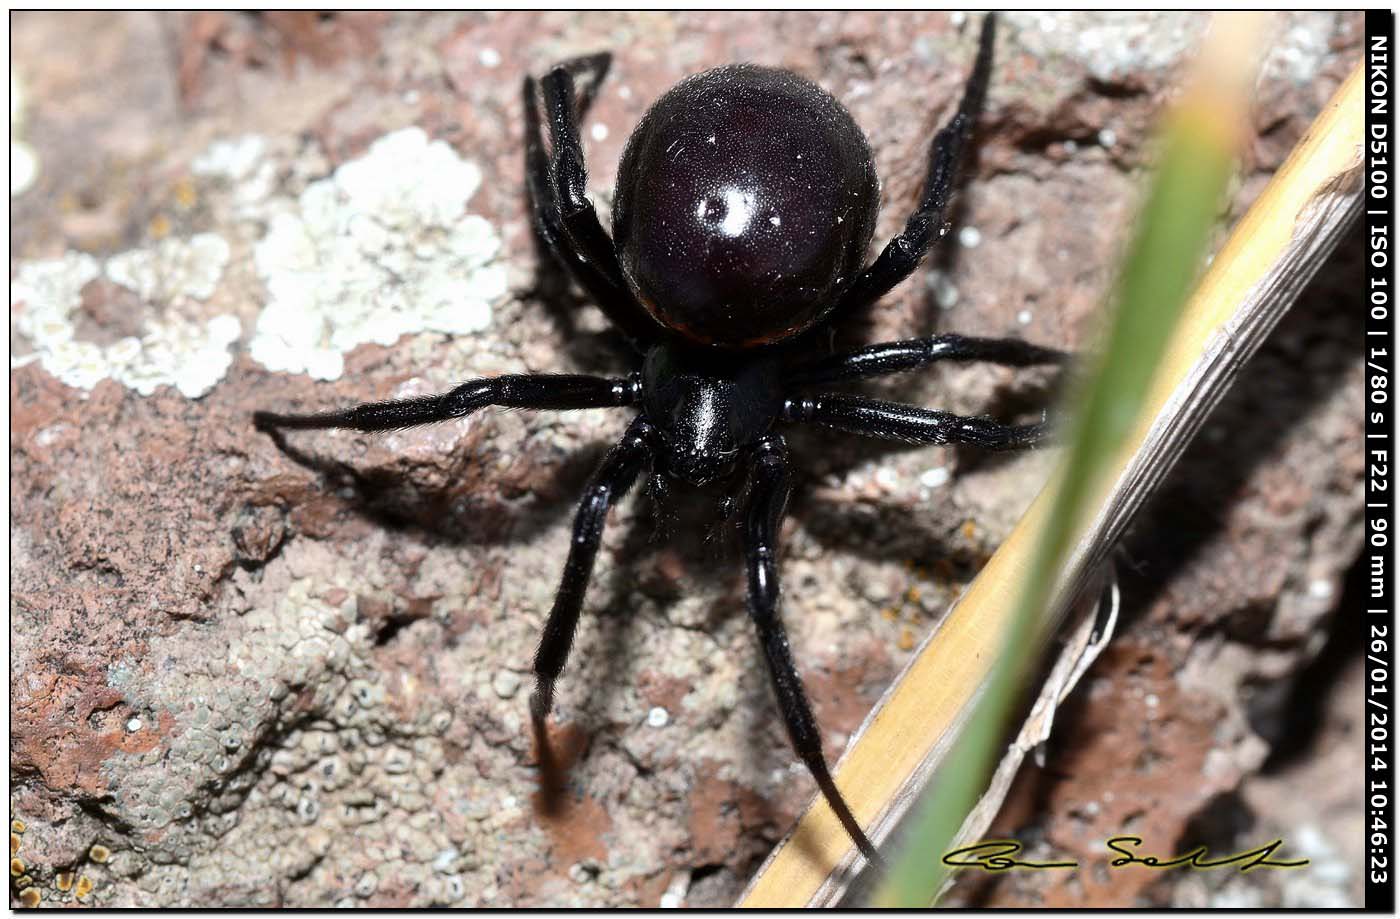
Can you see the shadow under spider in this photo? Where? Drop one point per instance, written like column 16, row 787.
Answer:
column 389, row 502
column 716, row 568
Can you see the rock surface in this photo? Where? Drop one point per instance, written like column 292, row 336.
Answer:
column 243, row 676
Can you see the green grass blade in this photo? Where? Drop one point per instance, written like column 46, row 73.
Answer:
column 1174, row 230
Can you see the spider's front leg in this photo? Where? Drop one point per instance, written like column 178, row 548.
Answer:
column 539, row 391
column 767, row 502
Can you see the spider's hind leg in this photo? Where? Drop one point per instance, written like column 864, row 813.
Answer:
column 767, row 501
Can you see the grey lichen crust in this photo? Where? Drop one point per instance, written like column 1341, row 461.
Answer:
column 286, row 748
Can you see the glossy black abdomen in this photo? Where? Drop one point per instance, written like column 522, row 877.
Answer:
column 745, row 203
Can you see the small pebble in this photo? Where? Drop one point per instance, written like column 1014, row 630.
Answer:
column 944, row 290
column 933, row 478
column 134, row 725
column 506, row 683
column 308, row 810
column 1107, row 137
column 658, row 717
column 24, row 166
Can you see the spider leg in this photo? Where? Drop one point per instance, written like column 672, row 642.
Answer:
column 896, row 356
column 589, row 72
column 767, row 501
column 544, row 391
column 564, row 216
column 904, row 252
column 910, row 423
column 618, row 471
column 603, row 285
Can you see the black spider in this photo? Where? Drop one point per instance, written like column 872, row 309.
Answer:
column 746, row 200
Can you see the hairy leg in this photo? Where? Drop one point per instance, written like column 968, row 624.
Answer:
column 564, row 215
column 767, row 501
column 614, row 477
column 596, row 272
column 911, row 354
column 544, row 391
column 904, row 252
column 910, row 423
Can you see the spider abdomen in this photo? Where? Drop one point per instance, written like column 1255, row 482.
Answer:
column 745, row 202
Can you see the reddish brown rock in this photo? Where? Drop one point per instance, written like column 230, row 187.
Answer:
column 309, row 648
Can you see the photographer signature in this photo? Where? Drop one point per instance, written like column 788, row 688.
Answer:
column 996, row 855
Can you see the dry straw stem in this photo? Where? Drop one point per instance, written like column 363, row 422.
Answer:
column 1259, row 272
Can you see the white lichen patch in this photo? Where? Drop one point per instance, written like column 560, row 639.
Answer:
column 173, row 349
column 242, row 162
column 173, row 269
column 1110, row 44
column 380, row 249
column 1300, row 47
column 1113, row 44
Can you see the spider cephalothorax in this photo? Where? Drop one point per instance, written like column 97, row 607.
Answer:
column 746, row 200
